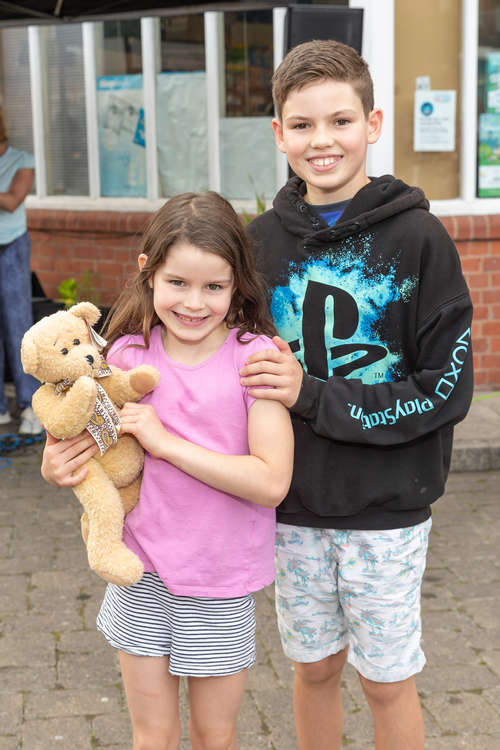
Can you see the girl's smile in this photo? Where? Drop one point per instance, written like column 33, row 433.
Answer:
column 192, row 293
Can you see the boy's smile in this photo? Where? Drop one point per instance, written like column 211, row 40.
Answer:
column 324, row 133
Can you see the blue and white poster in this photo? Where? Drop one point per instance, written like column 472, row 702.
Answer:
column 122, row 152
column 434, row 120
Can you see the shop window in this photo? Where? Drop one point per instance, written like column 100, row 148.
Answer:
column 15, row 87
column 181, row 117
column 489, row 99
column 64, row 111
column 246, row 137
column 120, row 106
column 427, row 126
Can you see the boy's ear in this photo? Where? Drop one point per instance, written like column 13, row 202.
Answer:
column 278, row 134
column 374, row 125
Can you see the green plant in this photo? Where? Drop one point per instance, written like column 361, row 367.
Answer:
column 71, row 291
column 67, row 291
column 261, row 207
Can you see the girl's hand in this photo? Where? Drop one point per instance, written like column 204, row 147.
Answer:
column 63, row 457
column 142, row 421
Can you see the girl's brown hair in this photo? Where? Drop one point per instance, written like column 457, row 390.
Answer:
column 209, row 222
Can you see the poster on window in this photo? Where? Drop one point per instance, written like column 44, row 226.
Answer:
column 434, row 120
column 489, row 155
column 122, row 152
column 493, row 82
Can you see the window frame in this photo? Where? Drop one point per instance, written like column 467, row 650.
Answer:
column 378, row 50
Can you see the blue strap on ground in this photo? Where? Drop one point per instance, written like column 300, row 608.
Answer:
column 10, row 441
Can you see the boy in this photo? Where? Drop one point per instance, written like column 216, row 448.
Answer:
column 375, row 365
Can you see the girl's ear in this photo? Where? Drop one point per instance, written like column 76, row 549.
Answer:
column 141, row 262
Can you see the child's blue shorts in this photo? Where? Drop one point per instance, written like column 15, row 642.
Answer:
column 338, row 588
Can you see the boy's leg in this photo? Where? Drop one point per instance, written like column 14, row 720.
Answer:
column 380, row 577
column 397, row 715
column 317, row 702
column 153, row 701
column 313, row 630
column 215, row 703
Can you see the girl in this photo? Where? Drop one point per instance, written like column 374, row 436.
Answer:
column 217, row 463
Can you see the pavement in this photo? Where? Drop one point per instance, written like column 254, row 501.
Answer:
column 60, row 682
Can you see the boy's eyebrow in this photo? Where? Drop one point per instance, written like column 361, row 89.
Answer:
column 337, row 113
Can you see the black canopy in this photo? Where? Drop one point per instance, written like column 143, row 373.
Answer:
column 26, row 12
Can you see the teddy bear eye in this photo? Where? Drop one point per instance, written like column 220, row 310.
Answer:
column 76, row 342
column 64, row 351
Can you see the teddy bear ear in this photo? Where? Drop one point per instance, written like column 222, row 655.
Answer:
column 29, row 353
column 87, row 311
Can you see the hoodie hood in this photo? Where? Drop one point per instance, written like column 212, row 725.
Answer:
column 380, row 199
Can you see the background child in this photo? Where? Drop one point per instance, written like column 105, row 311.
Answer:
column 217, row 463
column 375, row 365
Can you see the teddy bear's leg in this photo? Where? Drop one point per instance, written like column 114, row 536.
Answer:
column 130, row 495
column 84, row 526
column 108, row 556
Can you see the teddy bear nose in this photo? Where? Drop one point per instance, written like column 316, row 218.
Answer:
column 90, row 359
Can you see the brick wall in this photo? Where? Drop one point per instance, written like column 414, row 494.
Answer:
column 478, row 242
column 68, row 243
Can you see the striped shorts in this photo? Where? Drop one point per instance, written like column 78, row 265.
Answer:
column 203, row 637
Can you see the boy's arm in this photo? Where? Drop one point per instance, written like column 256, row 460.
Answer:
column 439, row 392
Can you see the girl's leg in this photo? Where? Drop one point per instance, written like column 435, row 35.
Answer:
column 215, row 703
column 153, row 701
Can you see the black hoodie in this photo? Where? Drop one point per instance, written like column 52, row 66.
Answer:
column 378, row 313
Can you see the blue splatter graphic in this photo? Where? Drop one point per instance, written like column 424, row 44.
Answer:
column 371, row 288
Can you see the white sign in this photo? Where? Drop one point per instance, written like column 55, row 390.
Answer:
column 434, row 120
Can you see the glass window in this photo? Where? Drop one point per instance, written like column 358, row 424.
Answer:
column 489, row 99
column 15, row 87
column 64, row 111
column 181, row 112
column 246, row 137
column 120, row 107
column 427, row 55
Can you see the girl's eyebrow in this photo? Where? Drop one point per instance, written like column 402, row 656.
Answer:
column 171, row 275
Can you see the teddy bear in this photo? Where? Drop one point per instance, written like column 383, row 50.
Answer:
column 81, row 391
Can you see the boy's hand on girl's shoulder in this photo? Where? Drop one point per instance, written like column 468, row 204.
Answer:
column 279, row 370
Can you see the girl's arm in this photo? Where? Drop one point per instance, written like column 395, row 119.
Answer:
column 263, row 476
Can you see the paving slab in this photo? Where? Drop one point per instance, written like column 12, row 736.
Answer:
column 60, row 682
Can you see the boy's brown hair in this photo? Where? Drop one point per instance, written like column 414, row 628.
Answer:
column 321, row 60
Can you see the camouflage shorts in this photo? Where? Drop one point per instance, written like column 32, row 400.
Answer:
column 337, row 588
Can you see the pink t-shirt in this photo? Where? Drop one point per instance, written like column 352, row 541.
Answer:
column 201, row 541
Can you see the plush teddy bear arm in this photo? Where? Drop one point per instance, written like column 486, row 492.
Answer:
column 67, row 415
column 130, row 385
